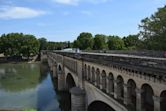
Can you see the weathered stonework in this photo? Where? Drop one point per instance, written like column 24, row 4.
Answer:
column 121, row 81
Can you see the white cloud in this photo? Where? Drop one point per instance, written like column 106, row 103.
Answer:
column 97, row 1
column 76, row 2
column 70, row 2
column 19, row 13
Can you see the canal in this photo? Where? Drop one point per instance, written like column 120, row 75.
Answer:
column 30, row 86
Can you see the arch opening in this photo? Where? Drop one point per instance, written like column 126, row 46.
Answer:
column 131, row 93
column 93, row 75
column 99, row 106
column 85, row 74
column 70, row 83
column 163, row 101
column 104, row 85
column 147, row 98
column 120, row 90
column 111, row 84
column 89, row 74
column 98, row 78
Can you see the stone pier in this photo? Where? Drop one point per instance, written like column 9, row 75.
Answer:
column 77, row 99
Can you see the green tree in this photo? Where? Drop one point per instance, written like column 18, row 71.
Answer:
column 115, row 43
column 11, row 43
column 75, row 44
column 100, row 42
column 68, row 44
column 153, row 30
column 30, row 47
column 131, row 41
column 18, row 44
column 43, row 43
column 84, row 41
column 57, row 45
column 50, row 45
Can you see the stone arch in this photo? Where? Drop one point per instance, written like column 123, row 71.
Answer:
column 163, row 101
column 147, row 97
column 110, row 85
column 103, row 80
column 85, row 72
column 70, row 83
column 98, row 77
column 89, row 74
column 93, row 75
column 131, row 93
column 119, row 89
column 99, row 106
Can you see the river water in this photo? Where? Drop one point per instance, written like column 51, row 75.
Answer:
column 29, row 86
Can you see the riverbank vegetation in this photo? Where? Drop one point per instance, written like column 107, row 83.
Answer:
column 152, row 36
column 18, row 44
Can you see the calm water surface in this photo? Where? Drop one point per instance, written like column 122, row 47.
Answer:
column 24, row 86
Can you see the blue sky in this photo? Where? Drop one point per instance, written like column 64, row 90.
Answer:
column 64, row 20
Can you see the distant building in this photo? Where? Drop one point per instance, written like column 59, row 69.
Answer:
column 77, row 50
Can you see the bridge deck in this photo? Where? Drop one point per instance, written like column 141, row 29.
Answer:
column 126, row 55
column 149, row 65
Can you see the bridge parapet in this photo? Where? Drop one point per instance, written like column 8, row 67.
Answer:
column 148, row 53
column 71, row 64
column 147, row 67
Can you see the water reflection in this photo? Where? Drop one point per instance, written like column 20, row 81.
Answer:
column 19, row 77
column 29, row 86
column 64, row 98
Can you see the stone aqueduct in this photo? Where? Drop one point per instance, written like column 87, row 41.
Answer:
column 117, row 82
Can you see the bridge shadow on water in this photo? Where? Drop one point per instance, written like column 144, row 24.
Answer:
column 48, row 96
column 64, row 97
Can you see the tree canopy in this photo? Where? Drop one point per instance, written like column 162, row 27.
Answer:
column 84, row 41
column 43, row 44
column 153, row 30
column 18, row 44
column 100, row 42
column 58, row 45
column 115, row 43
column 131, row 42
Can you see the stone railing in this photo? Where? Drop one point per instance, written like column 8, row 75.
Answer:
column 148, row 67
column 157, row 63
column 148, row 53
